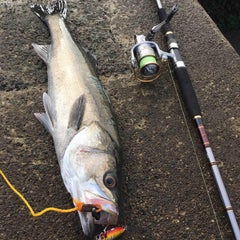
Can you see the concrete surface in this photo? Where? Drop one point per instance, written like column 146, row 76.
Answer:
column 163, row 194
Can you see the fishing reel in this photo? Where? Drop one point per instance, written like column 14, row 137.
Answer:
column 146, row 56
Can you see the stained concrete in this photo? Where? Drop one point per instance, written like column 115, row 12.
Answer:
column 166, row 188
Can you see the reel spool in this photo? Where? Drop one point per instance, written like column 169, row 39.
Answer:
column 148, row 63
column 146, row 58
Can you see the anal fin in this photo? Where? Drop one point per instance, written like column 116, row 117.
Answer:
column 43, row 119
column 42, row 51
column 48, row 118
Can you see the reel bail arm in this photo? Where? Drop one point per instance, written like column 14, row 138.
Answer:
column 158, row 27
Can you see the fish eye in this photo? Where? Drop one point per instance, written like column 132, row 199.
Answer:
column 110, row 180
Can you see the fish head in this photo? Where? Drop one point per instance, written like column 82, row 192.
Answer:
column 90, row 176
column 99, row 189
column 93, row 192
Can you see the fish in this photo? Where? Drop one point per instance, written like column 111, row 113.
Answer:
column 79, row 116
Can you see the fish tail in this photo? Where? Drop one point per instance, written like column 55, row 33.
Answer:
column 55, row 7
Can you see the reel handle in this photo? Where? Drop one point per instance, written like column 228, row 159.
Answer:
column 171, row 14
column 162, row 14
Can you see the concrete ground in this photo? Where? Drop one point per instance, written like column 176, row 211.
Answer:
column 166, row 189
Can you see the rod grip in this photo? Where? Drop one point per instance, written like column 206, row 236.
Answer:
column 187, row 91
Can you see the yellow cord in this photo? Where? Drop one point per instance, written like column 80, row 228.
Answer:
column 78, row 206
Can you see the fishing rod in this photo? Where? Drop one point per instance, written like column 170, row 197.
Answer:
column 146, row 58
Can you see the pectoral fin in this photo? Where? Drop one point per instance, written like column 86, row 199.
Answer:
column 77, row 112
column 48, row 118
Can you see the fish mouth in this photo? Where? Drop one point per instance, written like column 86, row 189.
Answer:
column 107, row 205
column 108, row 215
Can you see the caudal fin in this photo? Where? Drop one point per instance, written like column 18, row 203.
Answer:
column 55, row 7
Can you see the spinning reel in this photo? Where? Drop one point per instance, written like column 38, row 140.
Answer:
column 146, row 56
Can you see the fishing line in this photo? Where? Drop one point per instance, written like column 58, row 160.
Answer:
column 79, row 206
column 194, row 150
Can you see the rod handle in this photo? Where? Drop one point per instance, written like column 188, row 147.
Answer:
column 182, row 76
column 187, row 91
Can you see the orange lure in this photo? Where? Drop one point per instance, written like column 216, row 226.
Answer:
column 111, row 234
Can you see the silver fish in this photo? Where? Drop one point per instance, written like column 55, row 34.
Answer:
column 78, row 116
